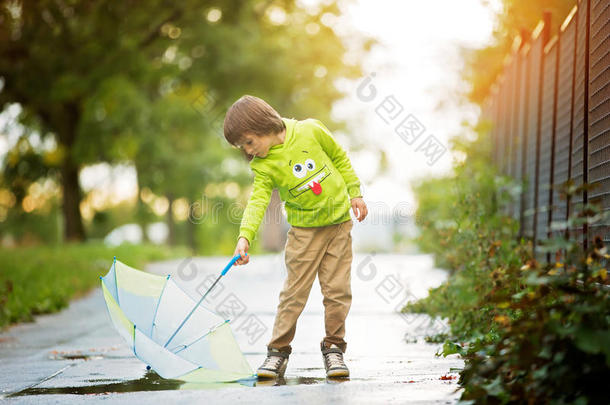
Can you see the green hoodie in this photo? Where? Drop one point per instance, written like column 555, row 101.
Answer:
column 312, row 173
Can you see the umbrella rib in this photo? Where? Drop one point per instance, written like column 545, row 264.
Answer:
column 116, row 281
column 192, row 311
column 193, row 300
column 157, row 306
column 222, row 273
column 134, row 340
column 212, row 329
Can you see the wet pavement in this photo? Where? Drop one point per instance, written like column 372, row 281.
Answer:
column 76, row 355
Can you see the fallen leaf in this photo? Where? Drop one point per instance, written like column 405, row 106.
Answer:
column 502, row 319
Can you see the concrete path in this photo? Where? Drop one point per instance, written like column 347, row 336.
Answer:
column 76, row 356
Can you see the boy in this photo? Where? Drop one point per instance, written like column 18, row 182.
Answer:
column 315, row 179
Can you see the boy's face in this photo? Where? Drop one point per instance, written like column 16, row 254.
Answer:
column 255, row 145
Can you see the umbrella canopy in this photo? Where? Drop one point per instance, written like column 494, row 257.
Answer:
column 168, row 330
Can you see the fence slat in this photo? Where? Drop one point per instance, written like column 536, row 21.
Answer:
column 599, row 111
column 532, row 135
column 547, row 134
column 564, row 114
column 579, row 127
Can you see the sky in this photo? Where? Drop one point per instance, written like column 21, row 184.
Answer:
column 416, row 71
column 410, row 77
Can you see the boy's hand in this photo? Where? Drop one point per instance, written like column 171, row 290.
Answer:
column 241, row 249
column 358, row 204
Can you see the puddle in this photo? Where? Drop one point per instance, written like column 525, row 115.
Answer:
column 150, row 382
column 76, row 357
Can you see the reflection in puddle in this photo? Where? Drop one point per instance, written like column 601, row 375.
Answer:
column 85, row 357
column 276, row 382
column 150, row 382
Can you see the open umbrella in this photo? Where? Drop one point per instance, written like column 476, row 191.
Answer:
column 168, row 330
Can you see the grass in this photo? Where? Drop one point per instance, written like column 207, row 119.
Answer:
column 39, row 280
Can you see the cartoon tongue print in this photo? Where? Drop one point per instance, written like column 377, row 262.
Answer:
column 315, row 187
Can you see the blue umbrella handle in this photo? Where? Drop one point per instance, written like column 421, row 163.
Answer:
column 224, row 271
column 231, row 263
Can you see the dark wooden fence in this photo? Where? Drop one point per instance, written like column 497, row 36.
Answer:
column 550, row 114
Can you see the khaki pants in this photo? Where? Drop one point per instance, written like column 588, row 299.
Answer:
column 326, row 252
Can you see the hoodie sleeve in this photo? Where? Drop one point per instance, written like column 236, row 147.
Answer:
column 338, row 156
column 257, row 205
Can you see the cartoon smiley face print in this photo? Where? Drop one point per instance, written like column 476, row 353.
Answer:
column 310, row 175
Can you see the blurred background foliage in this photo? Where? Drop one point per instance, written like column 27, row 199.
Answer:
column 85, row 84
column 514, row 18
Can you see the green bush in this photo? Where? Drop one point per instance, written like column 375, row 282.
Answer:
column 41, row 280
column 528, row 332
column 553, row 336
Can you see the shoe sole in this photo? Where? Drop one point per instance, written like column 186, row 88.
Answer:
column 266, row 374
column 337, row 373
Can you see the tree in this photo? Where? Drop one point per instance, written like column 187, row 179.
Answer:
column 91, row 73
column 251, row 53
column 57, row 57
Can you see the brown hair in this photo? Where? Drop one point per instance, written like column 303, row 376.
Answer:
column 251, row 114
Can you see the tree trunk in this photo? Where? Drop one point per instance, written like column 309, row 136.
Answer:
column 171, row 228
column 67, row 126
column 141, row 207
column 73, row 222
column 273, row 236
column 142, row 221
column 190, row 230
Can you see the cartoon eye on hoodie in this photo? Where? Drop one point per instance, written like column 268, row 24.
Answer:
column 310, row 175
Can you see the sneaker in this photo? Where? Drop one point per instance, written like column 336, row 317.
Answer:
column 333, row 361
column 274, row 365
